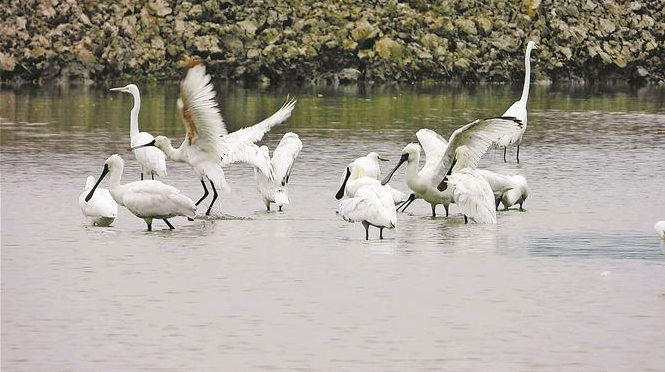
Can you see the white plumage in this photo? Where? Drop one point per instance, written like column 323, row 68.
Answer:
column 509, row 190
column 366, row 166
column 518, row 109
column 372, row 205
column 207, row 145
column 151, row 160
column 275, row 189
column 660, row 229
column 355, row 178
column 101, row 209
column 145, row 199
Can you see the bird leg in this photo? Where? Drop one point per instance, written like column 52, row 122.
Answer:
column 280, row 208
column 152, row 176
column 445, row 206
column 149, row 224
column 168, row 223
column 433, row 210
column 205, row 193
column 518, row 153
column 521, row 206
column 498, row 201
column 504, row 153
column 366, row 225
column 141, row 176
column 380, row 232
column 214, row 197
column 466, row 220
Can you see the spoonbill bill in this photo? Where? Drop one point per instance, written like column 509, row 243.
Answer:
column 208, row 146
column 440, row 156
column 518, row 109
column 372, row 205
column 151, row 160
column 275, row 189
column 145, row 199
column 660, row 229
column 355, row 178
column 509, row 190
column 101, row 210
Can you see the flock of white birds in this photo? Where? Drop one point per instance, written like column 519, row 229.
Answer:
column 450, row 174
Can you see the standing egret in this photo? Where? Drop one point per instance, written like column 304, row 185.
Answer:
column 355, row 178
column 372, row 205
column 101, row 210
column 660, row 229
column 207, row 145
column 151, row 160
column 509, row 190
column 275, row 189
column 518, row 109
column 428, row 183
column 145, row 199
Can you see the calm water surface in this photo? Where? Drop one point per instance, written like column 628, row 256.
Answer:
column 576, row 282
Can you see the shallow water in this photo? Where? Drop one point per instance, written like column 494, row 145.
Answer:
column 576, row 282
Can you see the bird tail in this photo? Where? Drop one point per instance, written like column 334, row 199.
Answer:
column 216, row 175
column 280, row 196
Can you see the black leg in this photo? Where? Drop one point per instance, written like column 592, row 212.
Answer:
column 214, row 197
column 380, row 232
column 280, row 208
column 141, row 176
column 504, row 153
column 205, row 193
column 366, row 225
column 168, row 223
column 521, row 206
column 433, row 210
column 152, row 176
column 466, row 220
column 149, row 225
column 445, row 206
column 518, row 152
column 498, row 201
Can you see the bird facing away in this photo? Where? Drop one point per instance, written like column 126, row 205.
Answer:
column 509, row 190
column 477, row 136
column 101, row 210
column 145, row 199
column 208, row 146
column 518, row 109
column 660, row 229
column 275, row 189
column 372, row 205
column 355, row 178
column 151, row 160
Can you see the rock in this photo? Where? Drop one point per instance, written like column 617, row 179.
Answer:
column 248, row 26
column 7, row 62
column 349, row 44
column 364, row 31
column 640, row 72
column 388, row 48
column 207, row 43
column 159, row 7
column 349, row 75
column 466, row 26
column 606, row 26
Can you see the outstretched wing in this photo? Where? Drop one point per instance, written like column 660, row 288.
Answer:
column 473, row 196
column 285, row 155
column 199, row 111
column 478, row 136
column 242, row 137
column 252, row 155
column 434, row 146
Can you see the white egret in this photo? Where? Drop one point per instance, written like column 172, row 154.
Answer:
column 518, row 109
column 151, row 160
column 429, row 183
column 372, row 205
column 145, row 199
column 509, row 190
column 275, row 189
column 660, row 229
column 101, row 210
column 355, row 178
column 207, row 145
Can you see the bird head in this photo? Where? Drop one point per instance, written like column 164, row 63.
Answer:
column 130, row 88
column 376, row 157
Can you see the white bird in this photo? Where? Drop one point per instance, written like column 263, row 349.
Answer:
column 367, row 166
column 275, row 189
column 101, row 210
column 207, row 145
column 509, row 190
column 355, row 178
column 518, row 109
column 372, row 205
column 660, row 229
column 145, row 199
column 151, row 160
column 429, row 183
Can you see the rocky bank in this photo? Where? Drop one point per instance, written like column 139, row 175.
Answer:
column 304, row 40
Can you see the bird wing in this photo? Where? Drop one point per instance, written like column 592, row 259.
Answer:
column 473, row 196
column 478, row 136
column 252, row 155
column 285, row 155
column 372, row 203
column 498, row 182
column 156, row 199
column 244, row 136
column 199, row 111
column 434, row 146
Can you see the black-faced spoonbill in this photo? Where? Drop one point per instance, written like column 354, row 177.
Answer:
column 372, row 205
column 207, row 145
column 151, row 160
column 101, row 210
column 275, row 189
column 145, row 199
column 509, row 190
column 518, row 109
column 355, row 178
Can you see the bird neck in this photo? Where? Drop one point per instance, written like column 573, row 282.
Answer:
column 173, row 153
column 134, row 115
column 527, row 76
column 412, row 166
column 114, row 185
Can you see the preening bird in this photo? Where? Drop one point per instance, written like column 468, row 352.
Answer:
column 101, row 210
column 151, row 160
column 509, row 190
column 431, row 182
column 518, row 109
column 208, row 146
column 372, row 205
column 355, row 178
column 145, row 199
column 275, row 189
